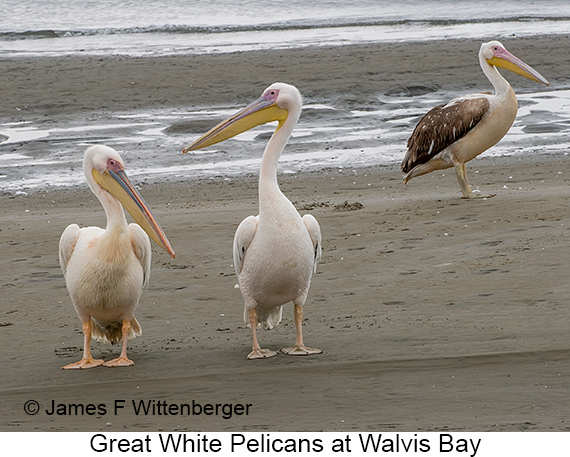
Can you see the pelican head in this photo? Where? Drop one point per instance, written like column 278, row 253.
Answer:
column 496, row 54
column 105, row 173
column 279, row 102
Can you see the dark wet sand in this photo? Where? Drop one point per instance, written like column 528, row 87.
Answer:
column 434, row 313
column 79, row 86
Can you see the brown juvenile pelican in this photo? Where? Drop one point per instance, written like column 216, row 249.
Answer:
column 452, row 134
column 106, row 269
column 277, row 251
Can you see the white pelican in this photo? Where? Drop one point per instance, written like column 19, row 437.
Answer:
column 105, row 270
column 452, row 134
column 276, row 252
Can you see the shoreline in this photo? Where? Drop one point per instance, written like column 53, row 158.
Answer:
column 149, row 108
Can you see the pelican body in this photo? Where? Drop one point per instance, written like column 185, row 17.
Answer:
column 106, row 269
column 452, row 134
column 276, row 252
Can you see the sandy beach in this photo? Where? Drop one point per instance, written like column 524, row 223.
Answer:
column 434, row 313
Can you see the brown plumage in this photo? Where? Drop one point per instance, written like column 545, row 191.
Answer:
column 442, row 126
column 453, row 134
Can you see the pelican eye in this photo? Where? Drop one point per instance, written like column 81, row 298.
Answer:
column 272, row 94
column 114, row 165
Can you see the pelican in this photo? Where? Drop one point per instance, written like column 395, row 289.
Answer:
column 452, row 134
column 106, row 269
column 276, row 252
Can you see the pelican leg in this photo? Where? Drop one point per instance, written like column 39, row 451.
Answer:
column 428, row 167
column 299, row 348
column 87, row 361
column 461, row 173
column 256, row 351
column 122, row 360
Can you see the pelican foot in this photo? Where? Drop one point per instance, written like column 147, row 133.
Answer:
column 301, row 350
column 83, row 364
column 261, row 354
column 119, row 362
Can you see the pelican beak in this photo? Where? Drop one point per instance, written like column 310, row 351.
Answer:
column 118, row 184
column 504, row 59
column 261, row 111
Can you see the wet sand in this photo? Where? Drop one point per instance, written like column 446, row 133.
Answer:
column 434, row 313
column 86, row 85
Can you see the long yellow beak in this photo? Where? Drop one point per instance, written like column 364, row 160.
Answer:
column 118, row 184
column 259, row 112
column 504, row 59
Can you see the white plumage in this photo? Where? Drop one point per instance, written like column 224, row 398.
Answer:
column 105, row 270
column 277, row 251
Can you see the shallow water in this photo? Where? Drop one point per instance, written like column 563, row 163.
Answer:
column 326, row 136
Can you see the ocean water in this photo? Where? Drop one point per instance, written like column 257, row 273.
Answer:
column 151, row 28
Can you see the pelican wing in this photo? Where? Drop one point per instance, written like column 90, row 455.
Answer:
column 242, row 239
column 442, row 126
column 142, row 249
column 315, row 234
column 67, row 244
